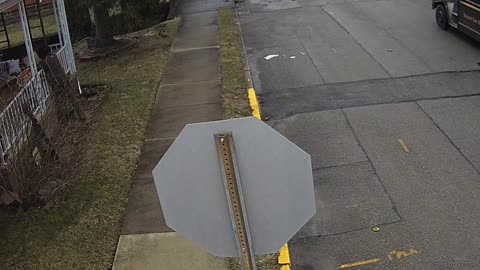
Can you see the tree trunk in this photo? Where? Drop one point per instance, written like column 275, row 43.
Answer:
column 172, row 9
column 103, row 25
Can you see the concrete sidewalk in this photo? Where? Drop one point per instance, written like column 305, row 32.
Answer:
column 190, row 92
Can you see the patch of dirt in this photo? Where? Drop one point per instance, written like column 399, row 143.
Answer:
column 69, row 147
column 75, row 134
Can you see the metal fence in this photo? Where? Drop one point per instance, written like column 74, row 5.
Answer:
column 62, row 55
column 13, row 119
column 55, row 47
column 64, row 59
column 14, row 122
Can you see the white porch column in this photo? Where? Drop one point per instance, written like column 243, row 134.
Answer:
column 63, row 22
column 58, row 24
column 27, row 38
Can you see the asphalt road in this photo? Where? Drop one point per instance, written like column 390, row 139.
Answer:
column 388, row 105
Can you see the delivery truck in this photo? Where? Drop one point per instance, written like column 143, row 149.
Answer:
column 463, row 15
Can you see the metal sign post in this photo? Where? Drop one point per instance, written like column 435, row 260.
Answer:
column 242, row 198
column 233, row 189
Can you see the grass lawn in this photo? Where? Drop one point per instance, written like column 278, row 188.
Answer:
column 16, row 35
column 235, row 96
column 81, row 231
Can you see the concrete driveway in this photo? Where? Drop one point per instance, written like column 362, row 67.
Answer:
column 388, row 105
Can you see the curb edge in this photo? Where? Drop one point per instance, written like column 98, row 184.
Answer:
column 284, row 254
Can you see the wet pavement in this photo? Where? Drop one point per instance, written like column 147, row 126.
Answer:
column 388, row 105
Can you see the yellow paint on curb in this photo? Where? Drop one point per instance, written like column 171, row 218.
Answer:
column 284, row 255
column 252, row 97
column 356, row 264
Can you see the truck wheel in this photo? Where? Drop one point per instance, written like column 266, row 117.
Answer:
column 442, row 17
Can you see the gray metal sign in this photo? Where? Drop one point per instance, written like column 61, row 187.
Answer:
column 275, row 177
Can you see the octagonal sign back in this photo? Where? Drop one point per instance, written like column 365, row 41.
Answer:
column 275, row 175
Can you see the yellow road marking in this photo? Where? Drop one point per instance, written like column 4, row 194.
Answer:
column 361, row 263
column 393, row 256
column 404, row 146
column 284, row 255
column 470, row 6
column 401, row 254
column 252, row 97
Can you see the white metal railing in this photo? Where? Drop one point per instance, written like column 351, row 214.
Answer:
column 55, row 47
column 14, row 120
column 64, row 59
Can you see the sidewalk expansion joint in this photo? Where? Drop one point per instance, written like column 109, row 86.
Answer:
column 187, row 83
column 189, row 105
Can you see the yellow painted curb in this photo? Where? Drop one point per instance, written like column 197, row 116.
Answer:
column 284, row 256
column 252, row 97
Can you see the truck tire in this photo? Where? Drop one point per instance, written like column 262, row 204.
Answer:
column 442, row 17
